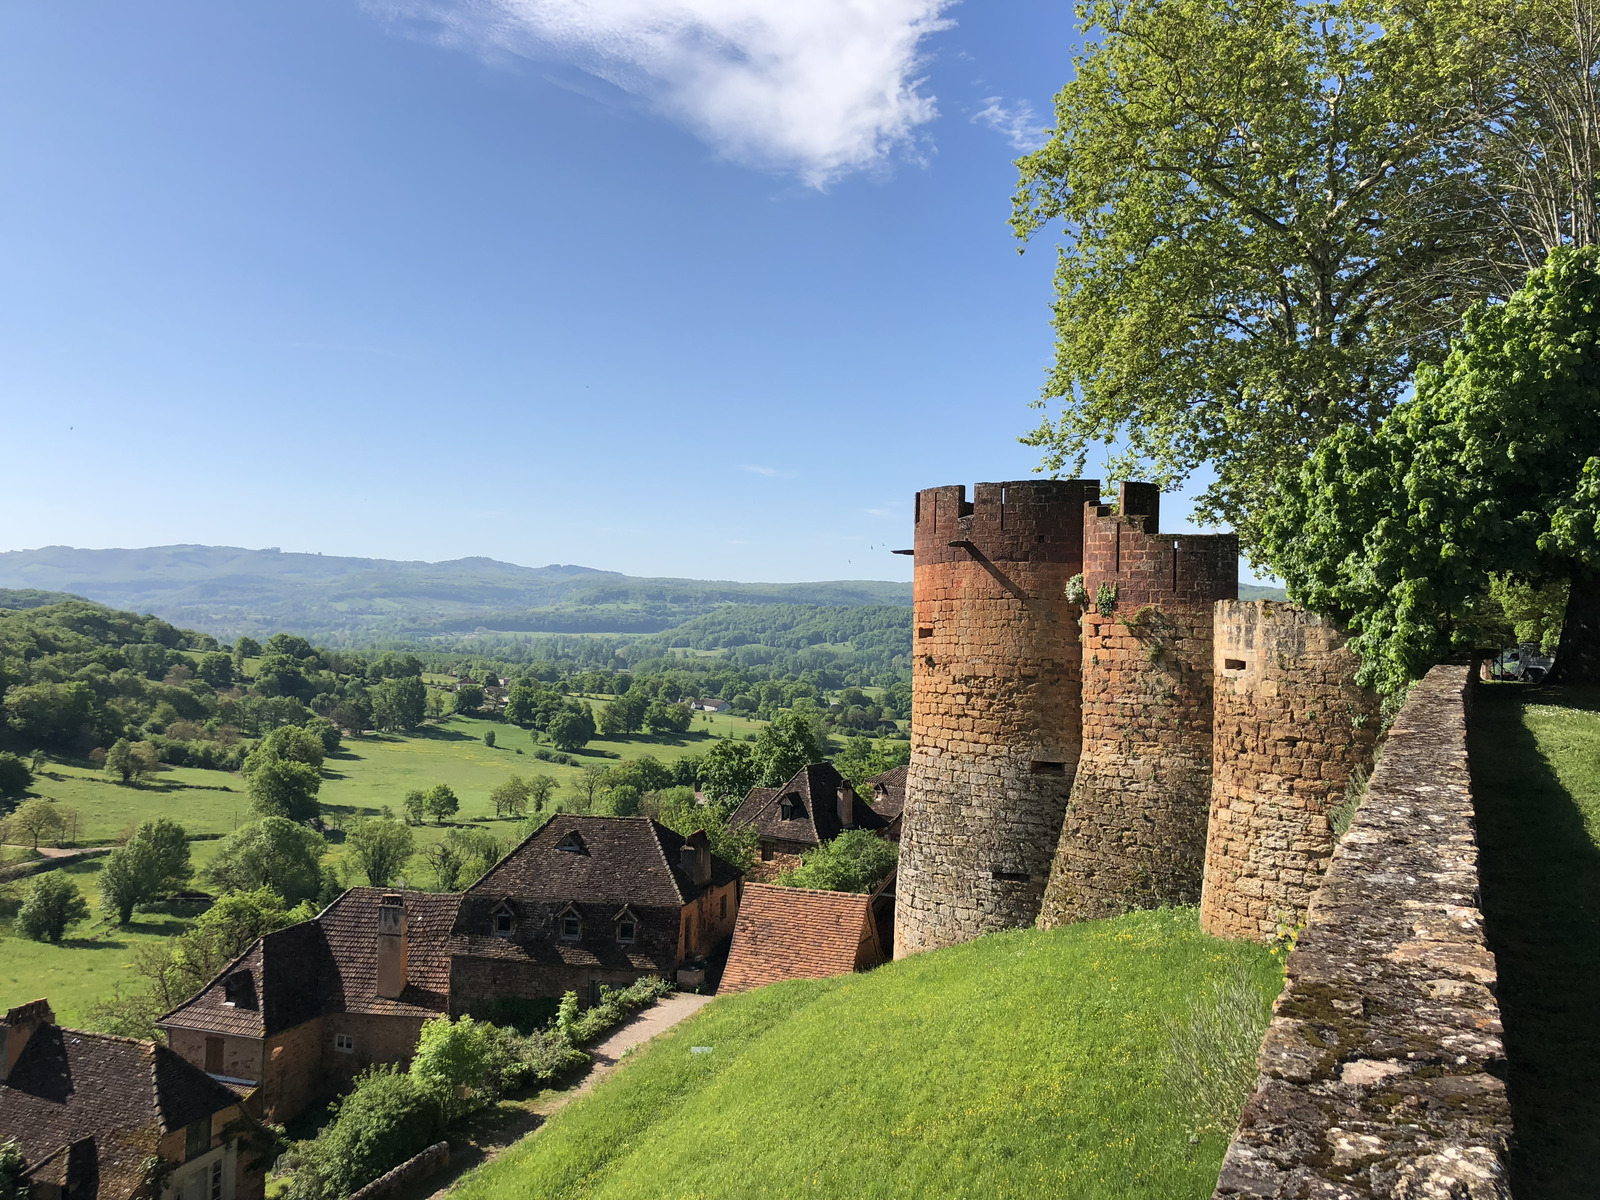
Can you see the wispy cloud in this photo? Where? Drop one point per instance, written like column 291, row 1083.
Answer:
column 769, row 472
column 820, row 88
column 1017, row 123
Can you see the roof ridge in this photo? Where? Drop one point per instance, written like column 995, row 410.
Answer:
column 656, row 830
column 155, row 1090
column 106, row 1037
column 776, row 887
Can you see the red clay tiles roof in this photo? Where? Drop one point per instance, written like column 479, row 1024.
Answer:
column 799, row 933
column 327, row 965
column 813, row 795
column 107, row 1099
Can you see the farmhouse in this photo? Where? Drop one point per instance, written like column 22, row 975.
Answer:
column 799, row 933
column 104, row 1118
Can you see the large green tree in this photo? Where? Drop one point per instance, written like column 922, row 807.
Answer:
column 1492, row 469
column 785, row 744
column 273, row 852
column 379, row 847
column 399, row 704
column 155, row 860
column 1274, row 211
column 53, row 903
column 285, row 788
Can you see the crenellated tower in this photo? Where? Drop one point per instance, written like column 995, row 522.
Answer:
column 996, row 688
column 1134, row 833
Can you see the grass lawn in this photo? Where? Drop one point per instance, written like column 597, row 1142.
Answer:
column 91, row 958
column 1535, row 756
column 1020, row 1064
column 203, row 802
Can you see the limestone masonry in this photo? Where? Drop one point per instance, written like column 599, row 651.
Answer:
column 1088, row 697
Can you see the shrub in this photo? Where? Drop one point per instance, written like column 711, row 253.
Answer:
column 387, row 1119
column 13, row 1183
column 16, row 777
column 452, row 1064
column 1212, row 1053
column 53, row 903
column 855, row 861
column 615, row 1005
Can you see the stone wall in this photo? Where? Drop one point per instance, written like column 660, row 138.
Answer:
column 1380, row 1070
column 1134, row 833
column 419, row 1166
column 1289, row 727
column 995, row 686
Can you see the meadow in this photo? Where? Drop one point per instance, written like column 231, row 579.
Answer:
column 1020, row 1064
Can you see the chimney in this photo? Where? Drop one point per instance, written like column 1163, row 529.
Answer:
column 391, row 946
column 847, row 806
column 20, row 1024
column 694, row 858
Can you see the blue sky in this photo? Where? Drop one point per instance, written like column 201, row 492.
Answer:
column 684, row 287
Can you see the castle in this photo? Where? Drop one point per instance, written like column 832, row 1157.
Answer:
column 1099, row 724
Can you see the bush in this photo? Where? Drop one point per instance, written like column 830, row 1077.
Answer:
column 53, row 903
column 855, row 861
column 13, row 1183
column 387, row 1119
column 16, row 777
column 616, row 1004
column 452, row 1064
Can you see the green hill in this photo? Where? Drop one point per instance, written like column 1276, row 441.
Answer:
column 1021, row 1064
column 227, row 591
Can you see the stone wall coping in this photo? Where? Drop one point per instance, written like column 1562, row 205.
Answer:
column 434, row 1158
column 1381, row 1071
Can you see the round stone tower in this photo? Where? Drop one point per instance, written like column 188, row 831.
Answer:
column 995, row 690
column 1134, row 834
column 1290, row 727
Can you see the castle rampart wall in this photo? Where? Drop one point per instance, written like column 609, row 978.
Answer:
column 995, row 726
column 1134, row 833
column 1381, row 1073
column 1290, row 725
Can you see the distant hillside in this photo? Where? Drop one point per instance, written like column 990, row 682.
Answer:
column 228, row 591
column 1260, row 591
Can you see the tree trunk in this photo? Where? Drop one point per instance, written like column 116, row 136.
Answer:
column 1578, row 656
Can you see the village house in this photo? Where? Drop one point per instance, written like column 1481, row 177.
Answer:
column 109, row 1118
column 799, row 933
column 306, row 1008
column 710, row 704
column 888, row 792
column 813, row 808
column 583, row 902
column 588, row 901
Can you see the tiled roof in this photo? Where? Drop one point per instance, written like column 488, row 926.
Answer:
column 814, row 796
column 327, row 965
column 799, row 933
column 87, row 1102
column 892, row 784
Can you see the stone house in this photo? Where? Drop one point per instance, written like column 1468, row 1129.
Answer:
column 888, row 792
column 799, row 933
column 813, row 808
column 304, row 1009
column 110, row 1118
column 588, row 901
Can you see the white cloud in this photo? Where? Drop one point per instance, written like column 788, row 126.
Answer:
column 1017, row 123
column 769, row 472
column 818, row 87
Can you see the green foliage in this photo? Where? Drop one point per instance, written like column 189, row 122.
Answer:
column 663, row 718
column 862, row 758
column 488, row 738
column 1212, row 1051
column 441, row 802
column 573, row 727
column 288, row 743
column 380, row 848
column 463, row 857
column 1267, row 226
column 386, row 1119
column 326, row 732
column 785, row 745
column 1105, row 598
column 616, row 1005
column 452, row 1064
column 399, row 704
column 154, row 861
column 273, row 852
column 1492, row 467
column 38, row 820
column 510, row 797
column 676, row 809
column 415, row 805
column 13, row 1182
column 729, row 770
column 130, row 761
column 16, row 777
column 468, row 699
column 53, row 903
column 216, row 669
column 284, row 788
column 855, row 861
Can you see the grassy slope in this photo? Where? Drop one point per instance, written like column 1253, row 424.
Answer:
column 1022, row 1064
column 1536, row 782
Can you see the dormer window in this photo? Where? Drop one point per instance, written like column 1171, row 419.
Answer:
column 504, row 920
column 238, row 990
column 573, row 843
column 789, row 808
column 571, row 924
column 627, row 927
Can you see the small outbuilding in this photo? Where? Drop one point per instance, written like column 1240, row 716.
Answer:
column 800, row 933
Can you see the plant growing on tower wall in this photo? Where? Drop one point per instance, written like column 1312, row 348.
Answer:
column 1075, row 592
column 1105, row 599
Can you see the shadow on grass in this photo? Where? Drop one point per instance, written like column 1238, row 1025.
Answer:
column 1540, row 879
column 80, row 943
column 438, row 733
column 168, row 927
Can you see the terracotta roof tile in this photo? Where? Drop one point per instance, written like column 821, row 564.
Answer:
column 799, row 933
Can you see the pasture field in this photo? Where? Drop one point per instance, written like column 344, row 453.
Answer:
column 1020, row 1064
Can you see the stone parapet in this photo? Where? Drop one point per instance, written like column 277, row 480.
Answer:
column 995, row 697
column 1380, row 1072
column 1134, row 833
column 1289, row 727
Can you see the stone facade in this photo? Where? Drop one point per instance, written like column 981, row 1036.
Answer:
column 1134, row 833
column 1381, row 1073
column 1290, row 725
column 996, row 726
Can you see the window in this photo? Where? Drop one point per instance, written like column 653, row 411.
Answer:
column 573, row 843
column 216, row 1180
column 571, row 927
column 197, row 1138
column 626, row 931
column 344, row 1043
column 214, row 1056
column 789, row 808
column 1233, row 664
column 502, row 921
column 766, row 854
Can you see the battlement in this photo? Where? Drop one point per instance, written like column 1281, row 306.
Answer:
column 1030, row 520
column 1127, row 549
